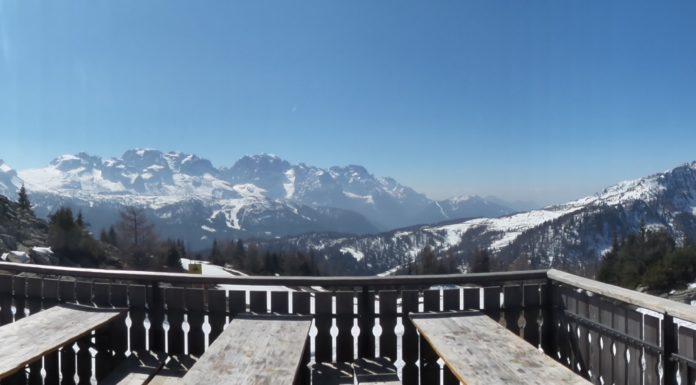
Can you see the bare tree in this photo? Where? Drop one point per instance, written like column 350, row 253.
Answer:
column 135, row 230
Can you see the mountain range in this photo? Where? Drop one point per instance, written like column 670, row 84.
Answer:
column 259, row 196
column 362, row 223
column 571, row 236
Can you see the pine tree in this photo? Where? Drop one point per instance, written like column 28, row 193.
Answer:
column 238, row 256
column 23, row 200
column 109, row 236
column 113, row 237
column 427, row 262
column 481, row 262
column 173, row 257
column 71, row 242
column 216, row 256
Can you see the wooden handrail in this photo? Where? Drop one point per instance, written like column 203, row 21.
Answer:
column 638, row 299
column 661, row 305
column 339, row 281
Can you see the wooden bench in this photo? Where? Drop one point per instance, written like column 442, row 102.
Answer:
column 478, row 350
column 253, row 350
column 45, row 332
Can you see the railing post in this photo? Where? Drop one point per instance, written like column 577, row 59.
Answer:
column 366, row 347
column 548, row 306
column 669, row 346
column 156, row 317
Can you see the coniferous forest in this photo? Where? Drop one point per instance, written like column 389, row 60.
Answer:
column 650, row 260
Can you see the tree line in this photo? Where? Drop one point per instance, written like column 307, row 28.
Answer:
column 651, row 260
column 253, row 259
column 427, row 261
column 133, row 243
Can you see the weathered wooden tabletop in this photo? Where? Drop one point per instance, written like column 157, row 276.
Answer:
column 39, row 334
column 253, row 351
column 478, row 350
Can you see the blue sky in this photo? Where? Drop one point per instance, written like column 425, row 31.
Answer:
column 541, row 100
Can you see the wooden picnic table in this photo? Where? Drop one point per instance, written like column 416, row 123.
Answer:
column 45, row 332
column 478, row 350
column 253, row 350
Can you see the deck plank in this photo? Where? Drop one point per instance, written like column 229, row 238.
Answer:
column 375, row 371
column 32, row 337
column 253, row 350
column 137, row 369
column 478, row 350
column 173, row 370
column 328, row 373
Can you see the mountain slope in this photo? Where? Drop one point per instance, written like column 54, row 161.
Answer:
column 185, row 196
column 262, row 196
column 572, row 236
column 259, row 196
column 465, row 206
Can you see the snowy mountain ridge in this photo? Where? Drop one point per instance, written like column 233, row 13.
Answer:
column 258, row 196
column 573, row 236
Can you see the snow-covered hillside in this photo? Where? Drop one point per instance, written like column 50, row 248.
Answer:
column 465, row 206
column 572, row 236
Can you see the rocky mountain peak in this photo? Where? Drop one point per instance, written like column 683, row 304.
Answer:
column 143, row 158
column 79, row 162
column 261, row 163
column 190, row 164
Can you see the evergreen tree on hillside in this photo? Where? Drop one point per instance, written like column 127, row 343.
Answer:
column 80, row 221
column 174, row 254
column 109, row 236
column 216, row 255
column 63, row 233
column 650, row 259
column 237, row 255
column 428, row 262
column 71, row 242
column 480, row 262
column 23, row 200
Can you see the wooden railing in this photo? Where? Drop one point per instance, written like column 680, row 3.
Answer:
column 604, row 333
column 614, row 335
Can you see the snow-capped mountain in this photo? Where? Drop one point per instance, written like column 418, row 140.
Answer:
column 186, row 196
column 572, row 236
column 258, row 196
column 383, row 201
